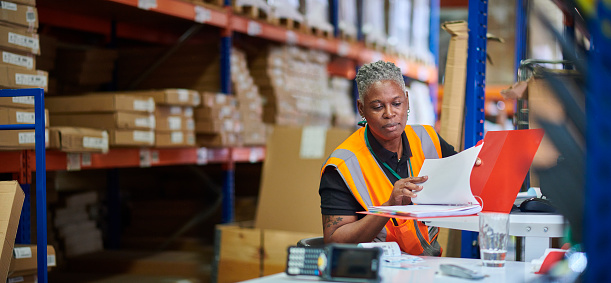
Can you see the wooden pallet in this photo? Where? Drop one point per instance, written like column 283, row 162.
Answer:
column 287, row 23
column 320, row 32
column 253, row 12
column 347, row 37
column 214, row 2
column 375, row 46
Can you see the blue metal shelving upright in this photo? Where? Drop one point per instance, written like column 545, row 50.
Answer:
column 598, row 157
column 41, row 172
column 475, row 95
column 228, row 189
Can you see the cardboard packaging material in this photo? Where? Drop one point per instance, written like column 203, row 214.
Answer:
column 24, row 260
column 116, row 120
column 32, row 278
column 19, row 40
column 20, row 139
column 166, row 111
column 12, row 116
column 17, row 102
column 174, row 138
column 221, row 139
column 72, row 139
column 453, row 104
column 18, row 59
column 131, row 137
column 218, row 126
column 11, row 202
column 171, row 96
column 17, row 77
column 25, row 2
column 100, row 103
column 308, row 147
column 19, row 14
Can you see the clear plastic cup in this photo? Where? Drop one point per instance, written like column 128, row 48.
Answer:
column 493, row 238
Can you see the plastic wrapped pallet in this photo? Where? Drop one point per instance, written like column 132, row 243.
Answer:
column 286, row 13
column 399, row 24
column 249, row 101
column 421, row 27
column 374, row 23
column 347, row 19
column 316, row 13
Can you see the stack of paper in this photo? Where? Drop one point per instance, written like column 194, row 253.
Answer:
column 427, row 210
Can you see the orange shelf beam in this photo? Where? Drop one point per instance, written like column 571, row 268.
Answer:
column 181, row 9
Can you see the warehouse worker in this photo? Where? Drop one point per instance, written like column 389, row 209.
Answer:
column 377, row 165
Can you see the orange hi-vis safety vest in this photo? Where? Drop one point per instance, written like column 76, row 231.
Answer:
column 371, row 187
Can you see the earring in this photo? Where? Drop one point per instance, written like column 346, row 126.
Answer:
column 362, row 122
column 408, row 113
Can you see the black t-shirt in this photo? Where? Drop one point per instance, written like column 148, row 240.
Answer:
column 335, row 196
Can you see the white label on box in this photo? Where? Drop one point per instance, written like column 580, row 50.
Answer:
column 73, row 161
column 190, row 124
column 144, row 105
column 225, row 111
column 148, row 122
column 202, row 14
column 51, row 260
column 220, row 98
column 31, row 80
column 30, row 16
column 147, row 4
column 253, row 28
column 291, row 37
column 15, row 279
column 25, row 117
column 23, row 40
column 24, row 100
column 183, row 95
column 188, row 112
column 228, row 126
column 27, row 138
column 343, row 48
column 175, row 110
column 174, row 123
column 9, row 6
column 17, row 60
column 313, row 142
column 86, row 159
column 22, row 252
column 94, row 142
column 196, row 99
column 142, row 136
column 177, row 137
column 202, row 156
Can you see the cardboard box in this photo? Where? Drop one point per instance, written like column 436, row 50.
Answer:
column 72, row 139
column 100, row 103
column 17, row 102
column 25, row 2
column 12, row 116
column 218, row 140
column 218, row 126
column 19, row 59
column 131, row 137
column 19, row 14
column 174, row 139
column 212, row 99
column 172, row 96
column 116, row 120
column 11, row 202
column 169, row 123
column 243, row 252
column 24, row 260
column 308, row 148
column 19, row 40
column 20, row 139
column 32, row 278
column 215, row 113
column 453, row 104
column 17, row 77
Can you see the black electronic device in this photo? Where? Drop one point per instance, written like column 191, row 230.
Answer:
column 335, row 262
column 537, row 205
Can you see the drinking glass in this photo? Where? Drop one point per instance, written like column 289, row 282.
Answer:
column 493, row 238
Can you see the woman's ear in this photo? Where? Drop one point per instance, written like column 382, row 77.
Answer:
column 359, row 106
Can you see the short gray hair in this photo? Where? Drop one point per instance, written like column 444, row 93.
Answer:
column 374, row 72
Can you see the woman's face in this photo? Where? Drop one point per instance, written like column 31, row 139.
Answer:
column 385, row 108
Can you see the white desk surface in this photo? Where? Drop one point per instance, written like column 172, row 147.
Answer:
column 521, row 224
column 428, row 271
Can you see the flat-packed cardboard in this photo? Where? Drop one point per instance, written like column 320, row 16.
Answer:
column 453, row 104
column 17, row 102
column 211, row 99
column 32, row 278
column 12, row 116
column 73, row 139
column 20, row 139
column 243, row 252
column 11, row 202
column 218, row 126
column 169, row 123
column 218, row 140
column 116, row 120
column 19, row 40
column 19, row 14
column 307, row 148
column 171, row 96
column 100, row 103
column 25, row 2
column 24, row 260
column 215, row 113
column 131, row 137
column 18, row 59
column 174, row 138
column 17, row 77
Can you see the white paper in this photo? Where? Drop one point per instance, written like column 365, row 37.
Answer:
column 313, row 142
column 449, row 179
column 428, row 210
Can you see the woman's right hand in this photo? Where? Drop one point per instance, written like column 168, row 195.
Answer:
column 404, row 190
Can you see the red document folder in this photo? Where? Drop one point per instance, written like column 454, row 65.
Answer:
column 506, row 157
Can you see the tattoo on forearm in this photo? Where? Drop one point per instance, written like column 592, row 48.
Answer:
column 329, row 220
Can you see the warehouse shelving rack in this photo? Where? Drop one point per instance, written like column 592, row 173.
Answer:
column 41, row 175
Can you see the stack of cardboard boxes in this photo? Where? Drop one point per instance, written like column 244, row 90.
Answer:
column 175, row 126
column 19, row 44
column 294, row 85
column 217, row 121
column 11, row 202
column 128, row 119
column 18, row 110
column 250, row 103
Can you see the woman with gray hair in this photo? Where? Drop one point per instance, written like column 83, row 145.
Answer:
column 377, row 165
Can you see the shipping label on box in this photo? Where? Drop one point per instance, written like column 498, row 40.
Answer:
column 11, row 202
column 18, row 101
column 71, row 139
column 19, row 39
column 174, row 139
column 20, row 139
column 17, row 77
column 12, row 116
column 20, row 60
column 24, row 260
column 18, row 14
column 131, row 137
